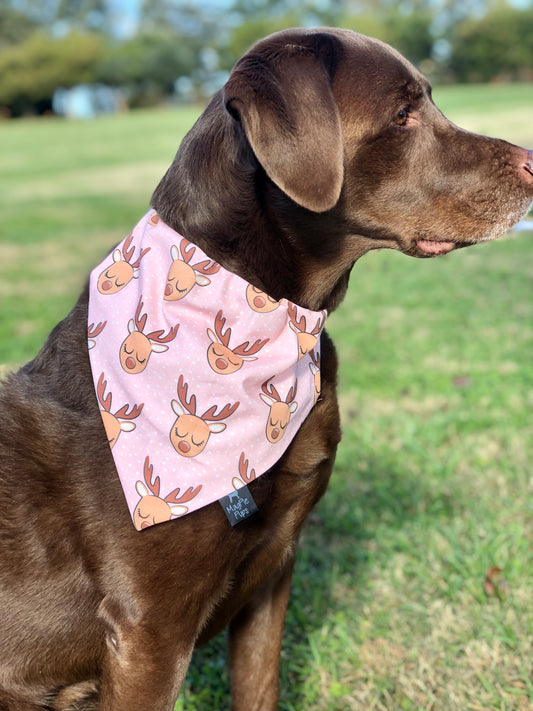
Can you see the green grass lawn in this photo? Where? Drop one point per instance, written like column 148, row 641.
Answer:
column 433, row 482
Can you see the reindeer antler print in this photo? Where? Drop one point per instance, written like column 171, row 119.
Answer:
column 113, row 422
column 244, row 477
column 211, row 414
column 190, row 404
column 223, row 336
column 104, row 400
column 223, row 359
column 94, row 331
column 151, row 508
column 186, row 250
column 190, row 432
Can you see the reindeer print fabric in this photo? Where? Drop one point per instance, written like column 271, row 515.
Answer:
column 202, row 380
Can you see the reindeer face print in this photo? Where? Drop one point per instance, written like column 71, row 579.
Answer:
column 137, row 348
column 182, row 275
column 223, row 359
column 306, row 340
column 113, row 427
column 151, row 508
column 306, row 343
column 260, row 301
column 122, row 271
column 135, row 351
column 280, row 410
column 181, row 279
column 280, row 414
column 190, row 432
column 115, row 277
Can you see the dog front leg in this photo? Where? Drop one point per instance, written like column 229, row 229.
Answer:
column 140, row 681
column 145, row 663
column 255, row 646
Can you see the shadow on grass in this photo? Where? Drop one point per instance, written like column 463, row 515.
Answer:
column 351, row 531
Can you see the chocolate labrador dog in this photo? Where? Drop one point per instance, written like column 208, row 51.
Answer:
column 323, row 145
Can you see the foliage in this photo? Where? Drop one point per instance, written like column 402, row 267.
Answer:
column 500, row 43
column 87, row 14
column 246, row 34
column 31, row 71
column 147, row 65
column 15, row 26
column 188, row 47
column 409, row 33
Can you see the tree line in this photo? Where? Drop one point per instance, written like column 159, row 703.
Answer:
column 184, row 49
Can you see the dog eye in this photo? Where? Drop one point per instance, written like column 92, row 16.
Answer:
column 401, row 117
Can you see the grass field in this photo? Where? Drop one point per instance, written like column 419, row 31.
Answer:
column 391, row 610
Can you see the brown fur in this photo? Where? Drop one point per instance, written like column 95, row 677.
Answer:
column 296, row 169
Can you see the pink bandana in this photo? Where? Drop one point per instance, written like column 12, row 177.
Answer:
column 202, row 379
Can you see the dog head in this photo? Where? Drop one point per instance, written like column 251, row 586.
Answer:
column 323, row 145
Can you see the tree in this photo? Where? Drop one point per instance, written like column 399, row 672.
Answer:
column 147, row 65
column 198, row 30
column 15, row 27
column 31, row 71
column 500, row 43
column 39, row 12
column 250, row 20
column 409, row 31
column 245, row 34
column 83, row 14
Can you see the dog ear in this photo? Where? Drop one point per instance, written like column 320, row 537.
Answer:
column 291, row 120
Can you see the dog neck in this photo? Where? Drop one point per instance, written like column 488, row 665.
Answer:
column 237, row 215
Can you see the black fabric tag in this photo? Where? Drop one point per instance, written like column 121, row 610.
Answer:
column 238, row 505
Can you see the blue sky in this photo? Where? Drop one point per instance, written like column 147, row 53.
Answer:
column 128, row 10
column 131, row 7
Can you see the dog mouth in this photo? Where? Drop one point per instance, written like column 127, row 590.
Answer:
column 423, row 246
column 434, row 248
